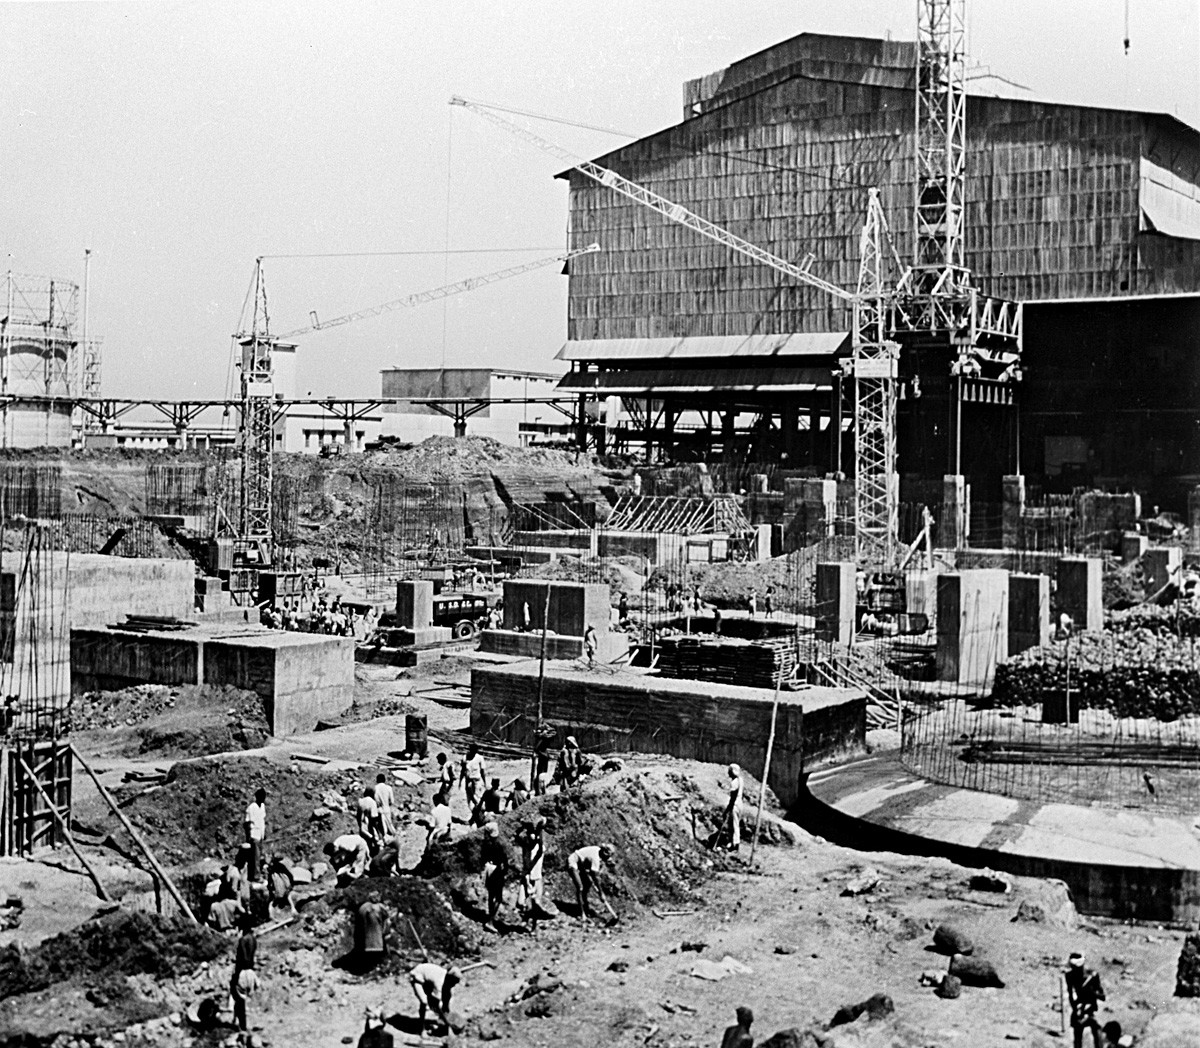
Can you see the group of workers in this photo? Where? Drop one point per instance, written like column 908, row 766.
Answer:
column 332, row 618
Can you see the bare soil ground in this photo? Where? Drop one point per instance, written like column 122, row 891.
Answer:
column 809, row 947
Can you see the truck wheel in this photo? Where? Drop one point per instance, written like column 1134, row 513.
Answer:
column 464, row 630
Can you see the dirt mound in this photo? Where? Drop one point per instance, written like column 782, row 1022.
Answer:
column 657, row 860
column 177, row 722
column 198, row 812
column 114, row 944
column 442, row 932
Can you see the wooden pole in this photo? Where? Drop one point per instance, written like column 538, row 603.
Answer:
column 762, row 792
column 65, row 829
column 137, row 839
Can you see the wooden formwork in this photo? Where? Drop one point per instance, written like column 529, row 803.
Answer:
column 27, row 824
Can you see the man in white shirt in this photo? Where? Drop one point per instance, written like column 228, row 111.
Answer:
column 255, row 825
column 385, row 797
column 348, row 855
column 474, row 775
column 432, row 984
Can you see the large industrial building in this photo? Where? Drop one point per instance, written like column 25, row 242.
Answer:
column 1088, row 217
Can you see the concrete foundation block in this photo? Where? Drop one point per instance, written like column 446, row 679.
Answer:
column 972, row 626
column 1081, row 591
column 573, row 606
column 1161, row 565
column 1028, row 612
column 1133, row 546
column 609, row 646
column 920, row 593
column 414, row 604
column 422, row 637
column 836, row 598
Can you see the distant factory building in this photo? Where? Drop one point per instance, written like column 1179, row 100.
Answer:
column 484, row 402
column 1089, row 217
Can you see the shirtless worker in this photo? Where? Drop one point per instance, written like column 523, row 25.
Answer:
column 584, row 866
column 731, row 821
column 432, row 985
column 495, row 870
column 739, row 1036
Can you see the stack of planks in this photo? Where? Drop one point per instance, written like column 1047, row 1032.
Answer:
column 751, row 664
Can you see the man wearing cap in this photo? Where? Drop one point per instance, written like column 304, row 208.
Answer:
column 432, row 985
column 739, row 1036
column 375, row 1034
column 732, row 819
column 584, row 866
column 495, row 869
column 255, row 825
column 1084, row 994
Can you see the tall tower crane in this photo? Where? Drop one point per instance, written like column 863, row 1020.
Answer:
column 874, row 355
column 933, row 297
column 254, row 541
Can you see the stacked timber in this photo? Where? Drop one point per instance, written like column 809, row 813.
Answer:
column 751, row 664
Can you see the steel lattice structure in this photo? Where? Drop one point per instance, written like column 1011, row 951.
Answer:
column 875, row 361
column 256, row 433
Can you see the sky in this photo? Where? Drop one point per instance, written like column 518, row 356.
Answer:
column 179, row 142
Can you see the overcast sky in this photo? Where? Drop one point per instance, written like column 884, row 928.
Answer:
column 180, row 141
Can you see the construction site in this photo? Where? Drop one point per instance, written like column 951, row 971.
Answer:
column 828, row 609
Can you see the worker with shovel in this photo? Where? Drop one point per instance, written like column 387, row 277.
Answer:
column 584, row 866
column 432, row 985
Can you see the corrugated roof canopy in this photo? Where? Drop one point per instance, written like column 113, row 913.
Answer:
column 716, row 347
column 663, row 381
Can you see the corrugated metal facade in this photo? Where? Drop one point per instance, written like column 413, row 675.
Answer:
column 782, row 151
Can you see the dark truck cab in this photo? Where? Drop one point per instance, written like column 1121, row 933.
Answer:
column 464, row 613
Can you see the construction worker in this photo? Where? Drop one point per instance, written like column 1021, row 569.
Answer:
column 518, row 794
column 739, row 1036
column 490, row 803
column 385, row 798
column 769, row 601
column 731, row 821
column 245, row 979
column 473, row 773
column 495, row 870
column 440, row 821
column 348, row 855
column 590, row 644
column 280, row 883
column 370, row 930
column 532, row 842
column 569, row 760
column 584, row 866
column 445, row 775
column 432, row 985
column 541, row 760
column 255, row 826
column 1084, row 994
column 369, row 825
column 374, row 1034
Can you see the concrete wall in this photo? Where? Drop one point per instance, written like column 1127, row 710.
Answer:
column 302, row 678
column 573, row 605
column 626, row 711
column 99, row 662
column 104, row 588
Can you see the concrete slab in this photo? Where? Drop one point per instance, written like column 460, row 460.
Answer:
column 1117, row 863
